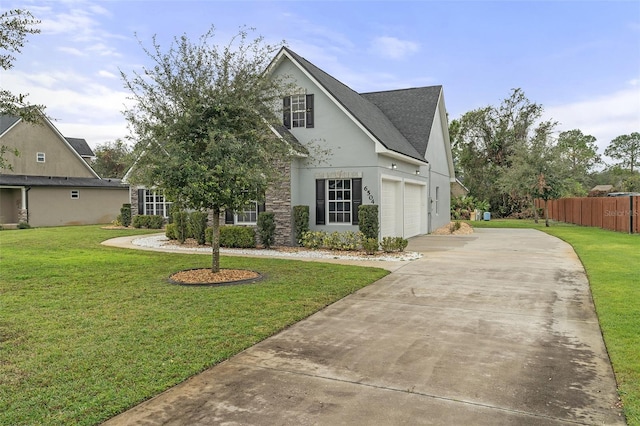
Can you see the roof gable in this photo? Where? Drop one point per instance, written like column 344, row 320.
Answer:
column 7, row 122
column 367, row 113
column 81, row 146
column 412, row 111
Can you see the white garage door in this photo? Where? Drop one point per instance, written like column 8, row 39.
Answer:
column 412, row 209
column 389, row 209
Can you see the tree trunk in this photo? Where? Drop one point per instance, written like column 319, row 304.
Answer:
column 535, row 211
column 215, row 241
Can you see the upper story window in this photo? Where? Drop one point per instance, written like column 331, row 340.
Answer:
column 297, row 111
column 40, row 157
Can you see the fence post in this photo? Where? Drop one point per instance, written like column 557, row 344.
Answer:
column 631, row 212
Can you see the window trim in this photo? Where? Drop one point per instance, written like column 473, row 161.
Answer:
column 41, row 157
column 236, row 215
column 342, row 199
column 322, row 198
column 156, row 194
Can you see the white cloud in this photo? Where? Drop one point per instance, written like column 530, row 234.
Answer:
column 71, row 51
column 393, row 48
column 106, row 74
column 604, row 117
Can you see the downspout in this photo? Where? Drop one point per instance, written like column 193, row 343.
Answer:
column 429, row 201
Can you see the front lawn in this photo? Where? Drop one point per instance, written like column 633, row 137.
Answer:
column 87, row 331
column 612, row 262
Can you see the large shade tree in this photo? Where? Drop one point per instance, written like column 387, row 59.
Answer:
column 203, row 116
column 113, row 159
column 625, row 149
column 15, row 26
column 578, row 154
column 487, row 139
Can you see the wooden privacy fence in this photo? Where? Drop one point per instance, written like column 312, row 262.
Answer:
column 614, row 213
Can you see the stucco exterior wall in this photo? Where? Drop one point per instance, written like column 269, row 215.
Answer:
column 439, row 175
column 29, row 139
column 10, row 204
column 55, row 207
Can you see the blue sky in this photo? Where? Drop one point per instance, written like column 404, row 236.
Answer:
column 579, row 59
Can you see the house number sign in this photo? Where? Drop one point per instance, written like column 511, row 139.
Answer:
column 366, row 189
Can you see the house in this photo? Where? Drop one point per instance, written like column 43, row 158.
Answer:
column 458, row 189
column 50, row 182
column 388, row 148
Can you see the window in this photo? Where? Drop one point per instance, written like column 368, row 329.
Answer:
column 248, row 215
column 40, row 157
column 437, row 197
column 152, row 202
column 297, row 111
column 75, row 194
column 337, row 201
column 339, row 195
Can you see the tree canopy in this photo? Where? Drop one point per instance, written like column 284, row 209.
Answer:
column 203, row 121
column 113, row 159
column 626, row 149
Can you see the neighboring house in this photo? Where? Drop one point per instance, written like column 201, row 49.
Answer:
column 51, row 182
column 458, row 189
column 386, row 148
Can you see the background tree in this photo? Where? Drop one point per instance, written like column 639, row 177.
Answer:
column 15, row 25
column 625, row 148
column 201, row 117
column 113, row 159
column 488, row 138
column 534, row 170
column 579, row 155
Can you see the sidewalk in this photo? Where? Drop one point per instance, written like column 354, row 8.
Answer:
column 493, row 328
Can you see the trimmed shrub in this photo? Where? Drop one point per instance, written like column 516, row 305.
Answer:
column 197, row 226
column 370, row 245
column 351, row 240
column 301, row 222
column 141, row 221
column 208, row 235
column 24, row 225
column 313, row 239
column 125, row 213
column 266, row 228
column 155, row 221
column 170, row 231
column 237, row 237
column 368, row 220
column 391, row 244
column 180, row 219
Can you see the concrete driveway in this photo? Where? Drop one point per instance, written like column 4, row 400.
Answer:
column 494, row 328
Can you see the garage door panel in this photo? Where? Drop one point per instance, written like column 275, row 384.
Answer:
column 412, row 209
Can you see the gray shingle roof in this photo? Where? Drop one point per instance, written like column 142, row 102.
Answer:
column 6, row 121
column 81, row 146
column 412, row 111
column 76, row 182
column 363, row 110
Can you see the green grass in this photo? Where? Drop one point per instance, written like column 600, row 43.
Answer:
column 612, row 262
column 87, row 331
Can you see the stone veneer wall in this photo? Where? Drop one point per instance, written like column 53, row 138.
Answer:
column 133, row 191
column 278, row 201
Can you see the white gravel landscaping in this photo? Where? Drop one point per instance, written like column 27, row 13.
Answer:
column 161, row 241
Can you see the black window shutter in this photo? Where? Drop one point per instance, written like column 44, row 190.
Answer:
column 286, row 112
column 228, row 217
column 262, row 208
column 356, row 199
column 309, row 117
column 320, row 204
column 141, row 201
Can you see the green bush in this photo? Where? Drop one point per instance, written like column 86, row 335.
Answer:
column 197, row 226
column 313, row 239
column 332, row 241
column 368, row 220
column 301, row 222
column 180, row 219
column 352, row 240
column 141, row 221
column 266, row 228
column 24, row 225
column 208, row 235
column 237, row 237
column 155, row 221
column 370, row 245
column 117, row 221
column 170, row 231
column 391, row 244
column 125, row 213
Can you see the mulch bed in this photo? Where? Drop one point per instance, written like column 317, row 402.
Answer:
column 204, row 276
